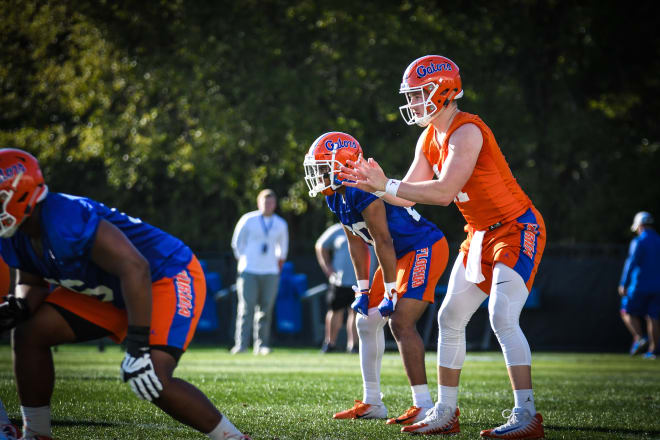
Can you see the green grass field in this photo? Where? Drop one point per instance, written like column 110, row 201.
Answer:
column 293, row 393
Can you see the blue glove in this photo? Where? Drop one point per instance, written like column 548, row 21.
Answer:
column 387, row 305
column 361, row 303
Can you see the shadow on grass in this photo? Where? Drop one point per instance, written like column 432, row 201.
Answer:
column 603, row 430
column 550, row 428
column 19, row 422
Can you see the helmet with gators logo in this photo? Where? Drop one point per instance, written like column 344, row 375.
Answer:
column 325, row 157
column 22, row 186
column 429, row 83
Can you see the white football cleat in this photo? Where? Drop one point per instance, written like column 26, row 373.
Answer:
column 520, row 424
column 441, row 419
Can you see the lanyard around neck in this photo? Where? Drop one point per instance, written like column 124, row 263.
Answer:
column 263, row 224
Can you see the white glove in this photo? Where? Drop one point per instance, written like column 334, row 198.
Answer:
column 137, row 368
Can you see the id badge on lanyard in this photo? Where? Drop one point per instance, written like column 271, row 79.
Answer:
column 266, row 228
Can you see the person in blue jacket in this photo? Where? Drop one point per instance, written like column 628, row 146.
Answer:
column 640, row 285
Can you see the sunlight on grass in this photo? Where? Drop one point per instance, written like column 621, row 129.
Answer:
column 293, row 393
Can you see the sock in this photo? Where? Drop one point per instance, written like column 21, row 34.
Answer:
column 36, row 420
column 421, row 396
column 524, row 399
column 371, row 393
column 448, row 395
column 4, row 417
column 224, row 429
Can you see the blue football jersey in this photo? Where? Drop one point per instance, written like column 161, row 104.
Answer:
column 68, row 228
column 409, row 230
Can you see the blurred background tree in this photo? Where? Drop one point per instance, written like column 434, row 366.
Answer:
column 181, row 111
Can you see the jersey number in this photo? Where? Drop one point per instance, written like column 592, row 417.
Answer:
column 360, row 228
column 102, row 293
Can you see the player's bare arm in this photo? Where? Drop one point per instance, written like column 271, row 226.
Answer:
column 376, row 218
column 114, row 253
column 32, row 288
column 420, row 170
column 464, row 147
column 360, row 256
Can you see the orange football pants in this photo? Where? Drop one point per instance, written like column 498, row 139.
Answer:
column 177, row 304
column 417, row 274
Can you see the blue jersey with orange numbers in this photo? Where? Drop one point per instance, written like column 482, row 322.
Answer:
column 409, row 230
column 68, row 231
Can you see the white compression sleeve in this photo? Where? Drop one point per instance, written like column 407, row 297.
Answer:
column 372, row 347
column 507, row 298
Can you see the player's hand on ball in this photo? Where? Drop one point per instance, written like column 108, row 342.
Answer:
column 137, row 368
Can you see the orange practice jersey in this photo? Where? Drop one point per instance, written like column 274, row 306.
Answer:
column 491, row 194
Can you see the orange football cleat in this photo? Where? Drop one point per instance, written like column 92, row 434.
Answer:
column 412, row 415
column 363, row 410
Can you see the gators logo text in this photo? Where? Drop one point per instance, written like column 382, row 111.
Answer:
column 184, row 294
column 529, row 240
column 339, row 143
column 423, row 70
column 9, row 172
column 419, row 268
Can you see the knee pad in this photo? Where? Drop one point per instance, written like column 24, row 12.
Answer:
column 455, row 312
column 368, row 325
column 506, row 302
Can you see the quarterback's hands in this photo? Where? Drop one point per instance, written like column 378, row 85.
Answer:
column 366, row 175
column 361, row 302
column 12, row 312
column 387, row 305
column 137, row 368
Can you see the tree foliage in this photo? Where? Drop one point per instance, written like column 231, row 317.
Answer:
column 181, row 111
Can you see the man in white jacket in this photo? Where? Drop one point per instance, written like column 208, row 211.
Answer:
column 260, row 244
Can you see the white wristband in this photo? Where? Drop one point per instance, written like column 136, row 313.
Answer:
column 378, row 193
column 392, row 186
column 363, row 284
column 389, row 287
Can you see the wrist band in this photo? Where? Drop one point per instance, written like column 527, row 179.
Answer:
column 363, row 284
column 392, row 186
column 389, row 287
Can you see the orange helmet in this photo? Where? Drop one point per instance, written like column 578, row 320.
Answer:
column 328, row 152
column 430, row 83
column 22, row 186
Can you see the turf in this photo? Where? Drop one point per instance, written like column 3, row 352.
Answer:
column 293, row 393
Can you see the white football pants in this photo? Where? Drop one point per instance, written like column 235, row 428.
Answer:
column 507, row 297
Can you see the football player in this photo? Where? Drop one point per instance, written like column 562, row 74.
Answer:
column 7, row 430
column 458, row 160
column 86, row 271
column 412, row 254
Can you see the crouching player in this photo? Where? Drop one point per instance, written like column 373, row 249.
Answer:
column 7, row 429
column 113, row 275
column 412, row 254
